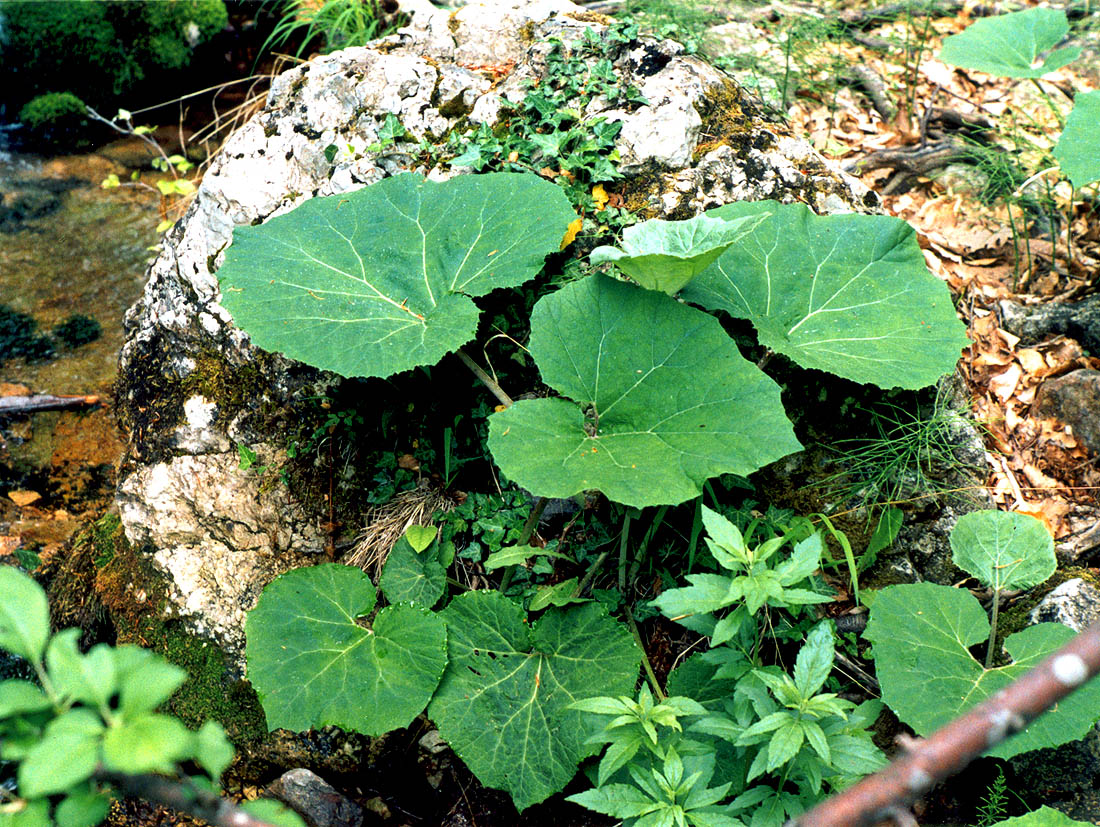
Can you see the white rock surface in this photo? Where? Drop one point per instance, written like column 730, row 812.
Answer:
column 1075, row 603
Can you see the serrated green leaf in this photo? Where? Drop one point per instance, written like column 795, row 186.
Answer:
column 618, row 800
column 380, row 280
column 503, row 704
column 411, row 577
column 560, row 594
column 313, row 665
column 212, row 749
column 59, row 761
column 922, row 633
column 147, row 743
column 1004, row 550
column 88, row 678
column 1043, row 817
column 1078, row 149
column 145, row 680
column 32, row 814
column 726, row 543
column 815, row 659
column 1009, row 45
column 517, row 555
column 420, row 536
column 666, row 255
column 846, row 294
column 83, row 807
column 24, row 615
column 18, row 697
column 670, row 401
column 707, row 593
column 273, row 812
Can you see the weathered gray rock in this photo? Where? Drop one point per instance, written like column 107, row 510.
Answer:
column 1033, row 323
column 1075, row 603
column 191, row 387
column 1074, row 399
column 315, row 800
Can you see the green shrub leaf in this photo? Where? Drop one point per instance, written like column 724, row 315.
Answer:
column 670, row 401
column 213, row 751
column 666, row 255
column 313, row 665
column 83, row 807
column 1078, row 150
column 413, row 577
column 145, row 680
column 1043, row 817
column 503, row 704
column 517, row 555
column 1003, row 550
column 24, row 615
column 273, row 812
column 380, row 280
column 922, row 634
column 18, row 697
column 1009, row 45
column 147, row 743
column 847, row 294
column 89, row 678
column 66, row 755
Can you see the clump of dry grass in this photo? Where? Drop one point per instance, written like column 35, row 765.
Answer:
column 384, row 524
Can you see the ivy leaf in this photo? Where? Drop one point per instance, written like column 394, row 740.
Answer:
column 670, row 401
column 313, row 665
column 380, row 280
column 24, row 615
column 839, row 293
column 503, row 704
column 1078, row 149
column 922, row 634
column 1009, row 45
column 666, row 255
column 1003, row 550
column 413, row 577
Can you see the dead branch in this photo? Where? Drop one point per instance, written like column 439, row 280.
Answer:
column 871, row 83
column 928, row 761
column 183, row 797
column 19, row 405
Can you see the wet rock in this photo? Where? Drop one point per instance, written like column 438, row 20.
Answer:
column 191, row 388
column 1033, row 323
column 1074, row 399
column 315, row 800
column 1075, row 603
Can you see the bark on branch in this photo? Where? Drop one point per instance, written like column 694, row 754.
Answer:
column 20, row 405
column 929, row 761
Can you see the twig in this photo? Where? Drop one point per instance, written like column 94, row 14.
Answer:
column 949, row 749
column 485, row 378
column 181, row 796
column 16, row 405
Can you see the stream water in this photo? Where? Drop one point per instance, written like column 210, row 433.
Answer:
column 67, row 247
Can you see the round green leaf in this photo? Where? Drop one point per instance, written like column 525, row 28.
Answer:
column 666, row 255
column 503, row 704
column 1003, row 549
column 1009, row 45
column 313, row 665
column 380, row 280
column 922, row 634
column 662, row 400
column 846, row 294
column 24, row 615
column 1078, row 149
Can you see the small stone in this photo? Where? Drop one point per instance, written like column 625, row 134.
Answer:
column 433, row 742
column 24, row 498
column 318, row 802
column 379, row 807
column 1075, row 603
column 1074, row 399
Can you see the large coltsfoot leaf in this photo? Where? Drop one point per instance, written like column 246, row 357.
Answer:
column 1078, row 150
column 503, row 704
column 922, row 634
column 666, row 255
column 1003, row 550
column 1009, row 45
column 662, row 400
column 313, row 665
column 847, row 294
column 379, row 280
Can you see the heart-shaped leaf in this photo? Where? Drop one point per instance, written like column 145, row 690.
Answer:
column 380, row 280
column 412, row 576
column 1009, row 45
column 666, row 255
column 1078, row 150
column 1003, row 550
column 503, row 704
column 313, row 665
column 662, row 400
column 922, row 634
column 847, row 294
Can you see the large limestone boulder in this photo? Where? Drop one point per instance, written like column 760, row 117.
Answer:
column 192, row 389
